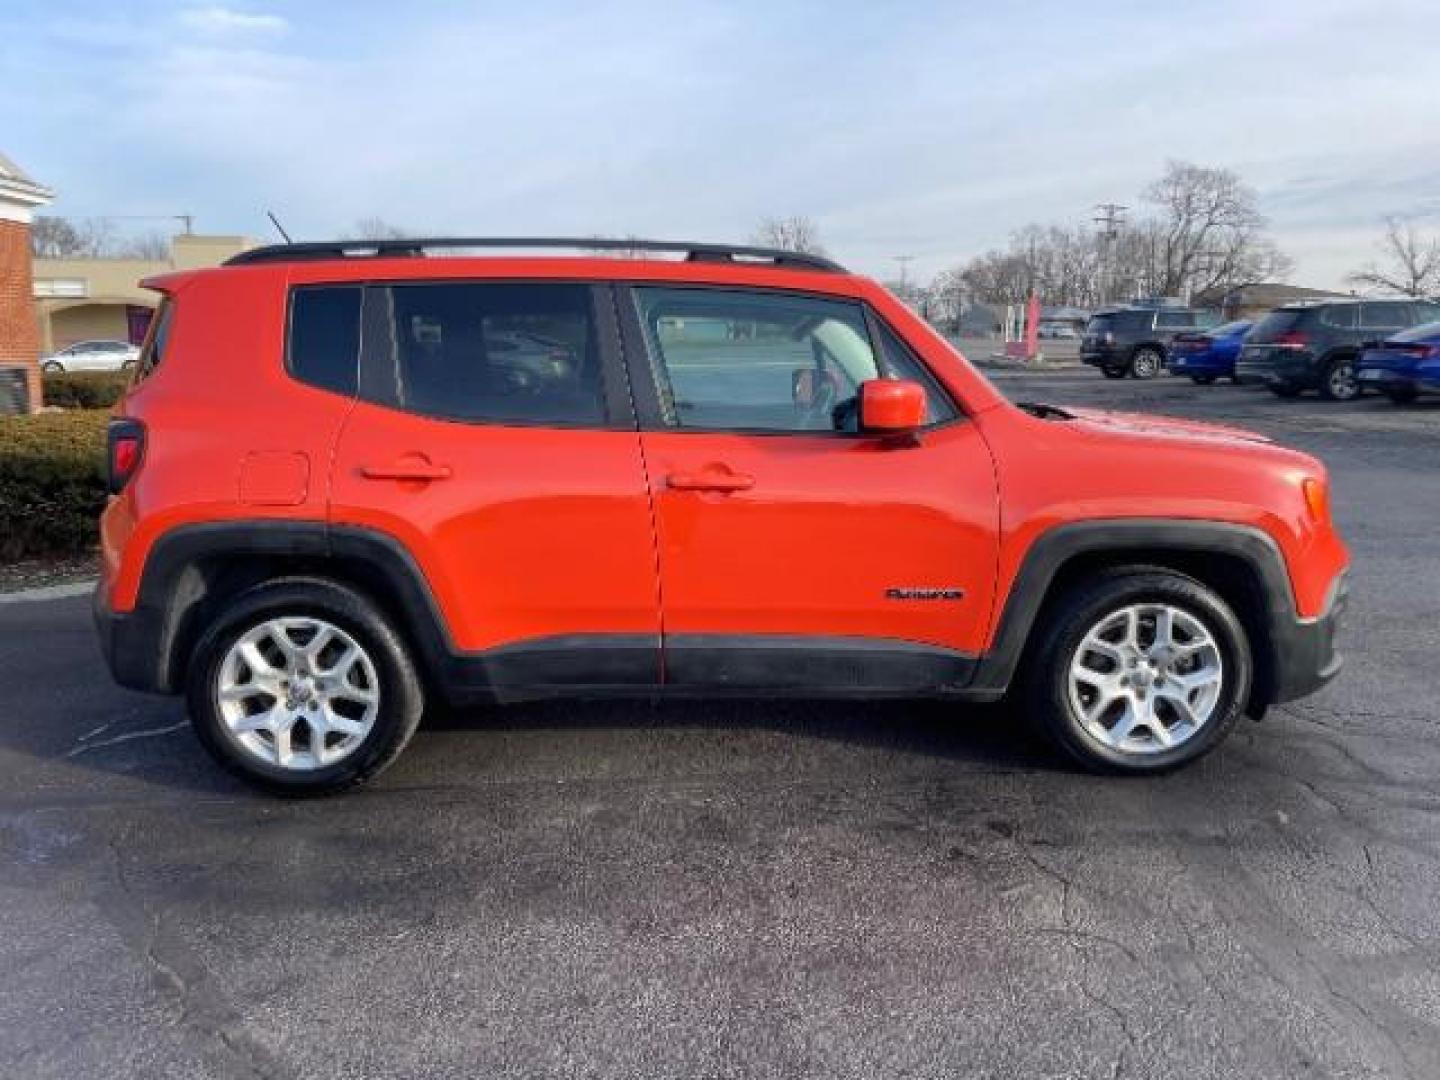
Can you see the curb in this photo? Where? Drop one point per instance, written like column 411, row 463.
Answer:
column 49, row 592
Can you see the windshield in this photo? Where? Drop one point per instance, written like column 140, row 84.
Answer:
column 1098, row 324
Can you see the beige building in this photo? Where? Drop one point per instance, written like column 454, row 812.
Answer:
column 83, row 299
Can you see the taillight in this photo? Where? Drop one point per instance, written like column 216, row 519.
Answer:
column 1290, row 339
column 125, row 451
column 1416, row 351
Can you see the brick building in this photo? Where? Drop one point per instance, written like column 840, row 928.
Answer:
column 19, row 333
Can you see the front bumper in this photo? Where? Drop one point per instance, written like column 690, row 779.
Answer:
column 1305, row 654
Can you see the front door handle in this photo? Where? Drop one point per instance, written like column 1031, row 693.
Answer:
column 411, row 469
column 710, row 481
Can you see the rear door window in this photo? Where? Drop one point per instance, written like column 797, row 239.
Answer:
column 497, row 352
column 1174, row 320
column 1340, row 316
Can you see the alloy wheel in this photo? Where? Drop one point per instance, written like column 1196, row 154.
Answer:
column 1146, row 678
column 298, row 693
column 1147, row 364
column 1342, row 382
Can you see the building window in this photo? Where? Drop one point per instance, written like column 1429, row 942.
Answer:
column 61, row 288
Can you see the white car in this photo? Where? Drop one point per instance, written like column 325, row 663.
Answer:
column 92, row 356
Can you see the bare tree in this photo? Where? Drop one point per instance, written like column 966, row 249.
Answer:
column 1209, row 233
column 1410, row 262
column 377, row 228
column 621, row 250
column 794, row 233
column 71, row 238
column 152, row 246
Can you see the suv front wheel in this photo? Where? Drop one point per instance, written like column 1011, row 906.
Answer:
column 1146, row 363
column 302, row 687
column 1139, row 670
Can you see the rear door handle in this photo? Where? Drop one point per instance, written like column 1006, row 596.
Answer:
column 710, row 481
column 406, row 470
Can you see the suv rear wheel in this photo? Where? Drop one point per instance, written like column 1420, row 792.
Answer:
column 1146, row 363
column 1339, row 382
column 1140, row 670
column 302, row 687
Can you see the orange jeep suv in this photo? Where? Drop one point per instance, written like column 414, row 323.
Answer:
column 351, row 478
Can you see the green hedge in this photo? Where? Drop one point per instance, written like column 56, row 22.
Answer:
column 85, row 389
column 52, row 483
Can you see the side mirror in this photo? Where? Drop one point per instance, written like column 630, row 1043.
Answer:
column 891, row 406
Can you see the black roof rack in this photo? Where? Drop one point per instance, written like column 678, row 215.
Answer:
column 409, row 247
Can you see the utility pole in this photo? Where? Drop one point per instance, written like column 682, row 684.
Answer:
column 1110, row 218
column 904, row 261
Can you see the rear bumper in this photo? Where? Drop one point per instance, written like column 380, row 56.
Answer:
column 1183, row 364
column 1305, row 654
column 1103, row 358
column 1385, row 379
column 1296, row 369
column 131, row 644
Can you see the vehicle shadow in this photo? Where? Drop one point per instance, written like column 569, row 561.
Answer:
column 148, row 744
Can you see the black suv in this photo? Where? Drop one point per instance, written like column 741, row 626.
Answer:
column 1314, row 346
column 1135, row 341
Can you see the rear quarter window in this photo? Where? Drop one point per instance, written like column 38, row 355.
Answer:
column 157, row 340
column 324, row 342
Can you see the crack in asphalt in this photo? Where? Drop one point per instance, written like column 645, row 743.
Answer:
column 201, row 1008
column 1070, row 932
column 150, row 733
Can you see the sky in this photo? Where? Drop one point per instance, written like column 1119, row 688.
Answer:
column 929, row 130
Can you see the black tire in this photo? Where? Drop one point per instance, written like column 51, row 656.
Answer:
column 1202, row 380
column 1402, row 395
column 401, row 699
column 1147, row 362
column 1283, row 390
column 1338, row 382
column 1066, row 624
column 1113, row 372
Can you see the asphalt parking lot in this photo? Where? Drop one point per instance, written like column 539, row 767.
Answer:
column 753, row 889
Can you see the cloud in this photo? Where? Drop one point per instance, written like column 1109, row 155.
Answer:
column 217, row 21
column 931, row 133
